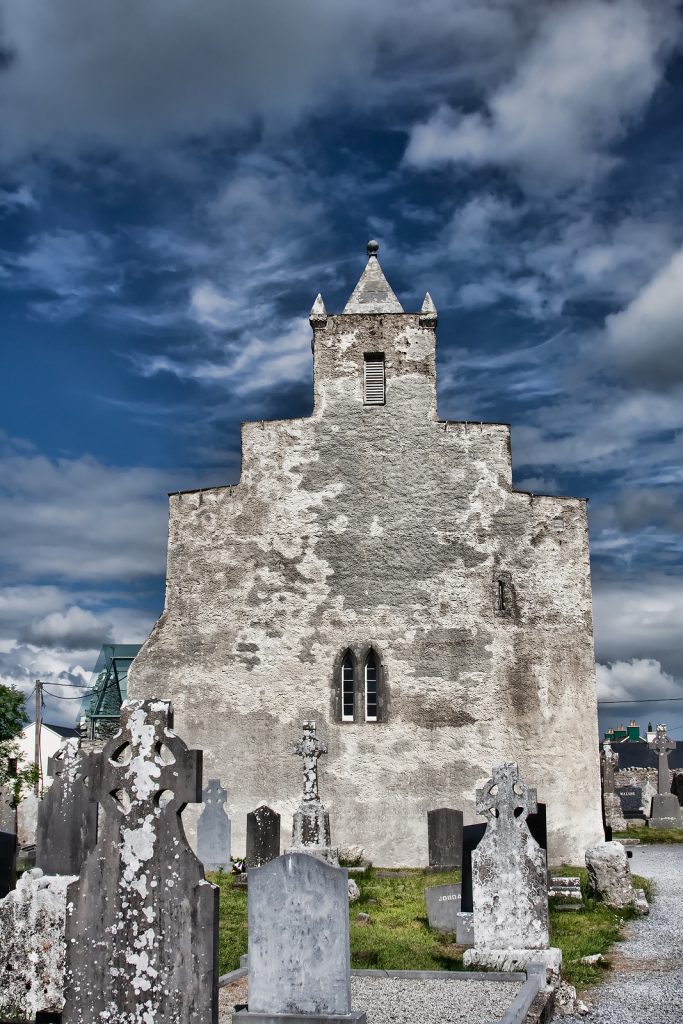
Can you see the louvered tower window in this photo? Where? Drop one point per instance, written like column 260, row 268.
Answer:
column 373, row 379
column 371, row 688
column 348, row 682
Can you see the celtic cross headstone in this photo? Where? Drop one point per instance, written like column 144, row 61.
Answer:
column 311, row 825
column 67, row 814
column 213, row 828
column 509, row 872
column 142, row 923
column 666, row 811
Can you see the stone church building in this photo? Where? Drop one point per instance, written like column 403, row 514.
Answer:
column 375, row 570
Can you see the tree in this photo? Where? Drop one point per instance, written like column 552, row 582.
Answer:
column 13, row 718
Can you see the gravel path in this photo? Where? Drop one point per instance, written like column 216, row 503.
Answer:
column 407, row 1001
column 646, row 985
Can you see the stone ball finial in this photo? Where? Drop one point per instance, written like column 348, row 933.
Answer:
column 373, row 247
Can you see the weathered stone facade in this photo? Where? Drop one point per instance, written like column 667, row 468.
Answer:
column 380, row 527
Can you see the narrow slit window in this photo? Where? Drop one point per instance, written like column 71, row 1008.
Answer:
column 373, row 378
column 502, row 596
column 371, row 688
column 348, row 682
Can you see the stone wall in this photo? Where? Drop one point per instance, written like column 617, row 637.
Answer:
column 384, row 526
column 646, row 778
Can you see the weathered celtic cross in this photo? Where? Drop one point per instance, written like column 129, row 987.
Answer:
column 504, row 794
column 310, row 748
column 610, row 760
column 67, row 814
column 662, row 744
column 141, row 928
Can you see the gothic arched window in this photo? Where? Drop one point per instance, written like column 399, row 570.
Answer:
column 348, row 688
column 371, row 686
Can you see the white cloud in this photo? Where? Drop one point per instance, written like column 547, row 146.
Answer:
column 74, row 629
column 77, row 519
column 640, row 620
column 587, row 73
column 638, row 679
column 646, row 338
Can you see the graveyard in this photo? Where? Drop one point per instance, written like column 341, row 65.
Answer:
column 120, row 921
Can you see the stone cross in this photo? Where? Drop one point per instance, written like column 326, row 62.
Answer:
column 610, row 761
column 213, row 828
column 67, row 814
column 509, row 871
column 142, row 922
column 310, row 748
column 662, row 744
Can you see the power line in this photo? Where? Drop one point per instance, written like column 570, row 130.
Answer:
column 58, row 696
column 645, row 700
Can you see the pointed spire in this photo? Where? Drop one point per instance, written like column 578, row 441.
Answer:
column 428, row 312
column 373, row 293
column 318, row 315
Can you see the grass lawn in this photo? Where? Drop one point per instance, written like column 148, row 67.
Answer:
column 651, row 835
column 398, row 938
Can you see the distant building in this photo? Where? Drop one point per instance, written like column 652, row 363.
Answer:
column 627, row 734
column 51, row 737
column 101, row 709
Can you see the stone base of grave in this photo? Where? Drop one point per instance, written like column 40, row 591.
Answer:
column 666, row 811
column 311, row 825
column 464, row 928
column 249, row 1017
column 516, row 960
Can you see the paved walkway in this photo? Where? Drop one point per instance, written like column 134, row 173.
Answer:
column 646, row 983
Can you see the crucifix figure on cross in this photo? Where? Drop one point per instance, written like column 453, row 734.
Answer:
column 310, row 748
column 662, row 744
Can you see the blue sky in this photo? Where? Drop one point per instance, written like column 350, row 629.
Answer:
column 177, row 184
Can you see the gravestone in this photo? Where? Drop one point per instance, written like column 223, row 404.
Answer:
column 443, row 907
column 32, row 945
column 213, row 828
column 263, row 836
column 631, row 798
column 611, row 804
column 609, row 876
column 67, row 814
column 677, row 787
column 444, row 837
column 510, row 879
column 142, row 926
column 299, row 961
column 666, row 811
column 472, row 836
column 311, row 825
column 8, row 862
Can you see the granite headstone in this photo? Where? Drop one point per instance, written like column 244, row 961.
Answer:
column 666, row 811
column 631, row 801
column 67, row 814
column 263, row 836
column 443, row 906
column 444, row 838
column 299, row 960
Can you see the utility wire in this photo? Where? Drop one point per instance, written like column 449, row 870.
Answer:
column 58, row 696
column 645, row 700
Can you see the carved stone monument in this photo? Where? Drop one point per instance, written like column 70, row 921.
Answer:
column 311, row 825
column 142, row 925
column 444, row 837
column 67, row 814
column 263, row 836
column 609, row 762
column 299, row 960
column 631, row 798
column 666, row 811
column 509, row 880
column 213, row 828
column 32, row 945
